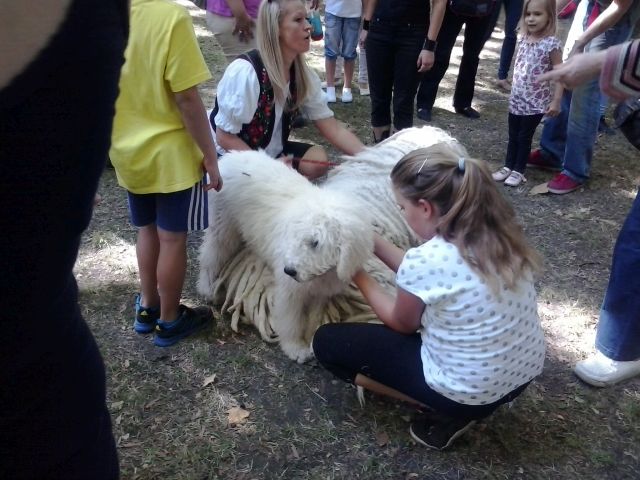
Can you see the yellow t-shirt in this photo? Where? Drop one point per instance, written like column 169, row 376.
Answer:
column 151, row 149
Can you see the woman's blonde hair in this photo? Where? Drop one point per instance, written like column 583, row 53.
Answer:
column 268, row 32
column 473, row 214
column 550, row 8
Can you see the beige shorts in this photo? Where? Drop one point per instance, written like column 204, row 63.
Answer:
column 222, row 29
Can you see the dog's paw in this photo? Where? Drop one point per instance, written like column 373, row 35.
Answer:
column 297, row 351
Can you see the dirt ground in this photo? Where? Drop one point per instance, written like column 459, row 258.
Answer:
column 180, row 412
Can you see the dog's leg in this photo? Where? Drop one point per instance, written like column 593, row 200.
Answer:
column 221, row 240
column 289, row 320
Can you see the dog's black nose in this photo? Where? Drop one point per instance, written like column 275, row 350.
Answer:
column 290, row 271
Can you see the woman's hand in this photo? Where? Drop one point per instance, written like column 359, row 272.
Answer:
column 363, row 38
column 554, row 109
column 576, row 70
column 244, row 28
column 425, row 60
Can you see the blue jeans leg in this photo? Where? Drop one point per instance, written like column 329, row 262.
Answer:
column 618, row 335
column 584, row 114
column 554, row 132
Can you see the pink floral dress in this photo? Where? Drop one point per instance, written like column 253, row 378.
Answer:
column 528, row 96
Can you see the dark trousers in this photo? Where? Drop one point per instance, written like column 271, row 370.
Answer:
column 521, row 131
column 392, row 359
column 392, row 71
column 474, row 37
column 513, row 12
column 55, row 129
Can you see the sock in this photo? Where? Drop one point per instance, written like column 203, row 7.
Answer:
column 331, row 90
column 347, row 90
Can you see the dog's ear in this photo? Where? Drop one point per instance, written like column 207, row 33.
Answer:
column 355, row 246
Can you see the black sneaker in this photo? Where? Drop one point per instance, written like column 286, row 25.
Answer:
column 438, row 433
column 190, row 321
column 146, row 318
column 424, row 114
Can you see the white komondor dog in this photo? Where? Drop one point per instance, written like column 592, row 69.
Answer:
column 280, row 251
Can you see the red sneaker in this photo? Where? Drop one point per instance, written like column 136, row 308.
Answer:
column 561, row 184
column 537, row 160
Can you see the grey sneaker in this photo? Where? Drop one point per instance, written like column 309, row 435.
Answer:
column 190, row 321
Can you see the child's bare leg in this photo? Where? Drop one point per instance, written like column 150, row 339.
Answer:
column 147, row 250
column 349, row 66
column 172, row 267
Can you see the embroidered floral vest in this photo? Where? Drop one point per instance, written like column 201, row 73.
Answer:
column 257, row 133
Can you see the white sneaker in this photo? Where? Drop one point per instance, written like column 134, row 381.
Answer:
column 364, row 89
column 347, row 96
column 515, row 179
column 330, row 94
column 601, row 371
column 501, row 174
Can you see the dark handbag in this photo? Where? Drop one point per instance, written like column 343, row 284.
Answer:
column 627, row 119
column 472, row 8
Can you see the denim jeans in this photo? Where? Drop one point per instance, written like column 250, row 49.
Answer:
column 513, row 11
column 392, row 71
column 569, row 138
column 340, row 36
column 521, row 130
column 475, row 29
column 618, row 334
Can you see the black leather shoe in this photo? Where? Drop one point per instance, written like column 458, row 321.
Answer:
column 468, row 112
column 424, row 114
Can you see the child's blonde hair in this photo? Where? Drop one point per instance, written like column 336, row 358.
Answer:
column 473, row 214
column 550, row 8
column 268, row 39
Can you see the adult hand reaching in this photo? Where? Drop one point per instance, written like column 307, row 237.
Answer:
column 244, row 27
column 576, row 70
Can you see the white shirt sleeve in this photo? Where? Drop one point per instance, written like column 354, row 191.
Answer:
column 315, row 106
column 237, row 96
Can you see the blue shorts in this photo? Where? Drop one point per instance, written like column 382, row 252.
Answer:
column 183, row 211
column 341, row 36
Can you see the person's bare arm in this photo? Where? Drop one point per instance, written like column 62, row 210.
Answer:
column 387, row 252
column 554, row 106
column 401, row 313
column 230, row 141
column 426, row 58
column 244, row 23
column 194, row 117
column 368, row 7
column 339, row 136
column 576, row 70
column 607, row 19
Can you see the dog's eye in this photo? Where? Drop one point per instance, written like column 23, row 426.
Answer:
column 313, row 244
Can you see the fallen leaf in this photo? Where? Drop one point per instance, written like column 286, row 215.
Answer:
column 115, row 406
column 237, row 415
column 382, row 439
column 578, row 399
column 209, row 380
column 538, row 189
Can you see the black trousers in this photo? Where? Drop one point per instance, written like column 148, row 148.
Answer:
column 55, row 129
column 392, row 70
column 392, row 359
column 521, row 131
column 474, row 37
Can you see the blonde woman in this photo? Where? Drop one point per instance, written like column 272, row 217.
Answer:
column 260, row 91
column 462, row 335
